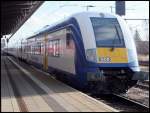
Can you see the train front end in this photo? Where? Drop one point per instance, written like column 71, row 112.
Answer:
column 111, row 54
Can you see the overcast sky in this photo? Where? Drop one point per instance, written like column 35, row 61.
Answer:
column 53, row 11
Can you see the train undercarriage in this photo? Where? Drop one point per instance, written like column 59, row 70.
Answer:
column 112, row 82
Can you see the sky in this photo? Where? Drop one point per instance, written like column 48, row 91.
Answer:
column 54, row 11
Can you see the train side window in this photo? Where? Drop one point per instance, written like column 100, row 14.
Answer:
column 55, row 45
column 57, row 48
column 42, row 48
column 69, row 41
column 38, row 48
column 67, row 38
column 50, row 49
column 54, row 48
column 32, row 49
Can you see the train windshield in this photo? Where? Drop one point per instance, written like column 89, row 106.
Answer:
column 107, row 32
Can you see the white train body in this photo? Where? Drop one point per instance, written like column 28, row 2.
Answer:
column 88, row 47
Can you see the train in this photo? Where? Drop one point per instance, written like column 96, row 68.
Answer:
column 90, row 50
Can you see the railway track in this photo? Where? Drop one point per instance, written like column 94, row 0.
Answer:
column 142, row 86
column 146, row 82
column 144, row 63
column 121, row 103
column 137, row 105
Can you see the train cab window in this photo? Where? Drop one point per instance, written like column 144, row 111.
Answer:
column 107, row 32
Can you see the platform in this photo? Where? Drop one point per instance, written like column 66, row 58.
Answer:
column 25, row 89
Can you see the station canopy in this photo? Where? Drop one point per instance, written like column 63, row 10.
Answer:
column 15, row 13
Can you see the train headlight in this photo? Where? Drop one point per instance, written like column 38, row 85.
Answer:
column 91, row 55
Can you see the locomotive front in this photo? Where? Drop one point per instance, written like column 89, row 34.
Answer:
column 111, row 56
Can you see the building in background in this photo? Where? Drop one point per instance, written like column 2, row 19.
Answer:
column 145, row 26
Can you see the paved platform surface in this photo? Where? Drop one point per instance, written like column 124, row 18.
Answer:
column 26, row 89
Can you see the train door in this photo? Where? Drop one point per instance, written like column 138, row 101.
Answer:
column 45, row 53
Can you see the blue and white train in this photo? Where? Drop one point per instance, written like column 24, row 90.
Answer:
column 90, row 50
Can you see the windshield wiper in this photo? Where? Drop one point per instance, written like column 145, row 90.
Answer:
column 113, row 43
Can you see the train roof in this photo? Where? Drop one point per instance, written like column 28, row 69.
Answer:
column 76, row 15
